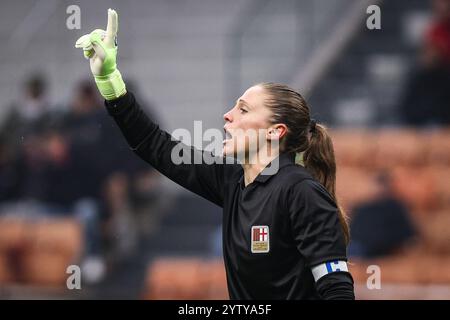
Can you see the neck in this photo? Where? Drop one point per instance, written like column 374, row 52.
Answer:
column 256, row 164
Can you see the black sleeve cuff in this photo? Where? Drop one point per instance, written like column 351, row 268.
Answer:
column 336, row 286
column 117, row 106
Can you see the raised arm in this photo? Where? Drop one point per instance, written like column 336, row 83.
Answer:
column 158, row 148
column 144, row 136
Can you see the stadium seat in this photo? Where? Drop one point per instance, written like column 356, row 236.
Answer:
column 435, row 233
column 175, row 278
column 355, row 186
column 441, row 178
column 45, row 268
column 438, row 147
column 418, row 267
column 6, row 274
column 186, row 278
column 353, row 147
column 399, row 147
column 13, row 233
column 59, row 235
column 217, row 280
column 416, row 187
column 55, row 245
column 38, row 252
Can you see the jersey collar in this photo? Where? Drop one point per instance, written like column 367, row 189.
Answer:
column 283, row 159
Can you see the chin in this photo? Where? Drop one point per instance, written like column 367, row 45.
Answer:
column 227, row 152
column 232, row 153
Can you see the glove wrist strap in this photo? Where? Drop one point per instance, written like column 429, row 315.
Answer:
column 111, row 86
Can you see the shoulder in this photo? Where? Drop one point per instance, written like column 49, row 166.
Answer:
column 301, row 187
column 294, row 176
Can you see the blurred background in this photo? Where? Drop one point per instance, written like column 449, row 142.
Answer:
column 72, row 193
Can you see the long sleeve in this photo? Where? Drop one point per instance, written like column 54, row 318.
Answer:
column 320, row 239
column 336, row 286
column 157, row 147
column 315, row 223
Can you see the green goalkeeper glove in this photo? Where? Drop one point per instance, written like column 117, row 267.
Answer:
column 100, row 47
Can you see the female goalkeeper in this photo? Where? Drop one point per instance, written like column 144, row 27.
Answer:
column 284, row 236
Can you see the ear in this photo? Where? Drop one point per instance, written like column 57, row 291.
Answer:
column 276, row 131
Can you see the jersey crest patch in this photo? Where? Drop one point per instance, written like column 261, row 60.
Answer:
column 260, row 239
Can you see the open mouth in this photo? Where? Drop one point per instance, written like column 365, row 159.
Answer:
column 228, row 136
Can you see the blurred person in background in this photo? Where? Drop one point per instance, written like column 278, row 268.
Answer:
column 47, row 174
column 20, row 136
column 381, row 226
column 25, row 115
column 426, row 97
column 22, row 141
column 53, row 183
column 121, row 183
column 52, row 173
column 10, row 177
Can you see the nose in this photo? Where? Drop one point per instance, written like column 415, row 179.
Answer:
column 227, row 117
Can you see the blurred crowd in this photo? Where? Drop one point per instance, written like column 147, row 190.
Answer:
column 72, row 161
column 426, row 97
column 383, row 224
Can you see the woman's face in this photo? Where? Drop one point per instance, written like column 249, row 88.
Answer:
column 246, row 124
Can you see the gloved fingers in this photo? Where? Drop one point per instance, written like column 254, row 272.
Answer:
column 83, row 42
column 96, row 38
column 101, row 53
column 111, row 28
column 88, row 53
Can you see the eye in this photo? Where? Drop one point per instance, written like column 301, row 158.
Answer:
column 242, row 110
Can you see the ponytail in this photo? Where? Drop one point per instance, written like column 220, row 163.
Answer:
column 305, row 137
column 320, row 161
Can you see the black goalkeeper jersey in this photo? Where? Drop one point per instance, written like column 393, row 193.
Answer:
column 275, row 230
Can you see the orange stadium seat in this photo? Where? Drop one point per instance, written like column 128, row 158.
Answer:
column 174, row 278
column 56, row 244
column 416, row 267
column 45, row 268
column 355, row 186
column 13, row 240
column 13, row 233
column 186, row 278
column 353, row 147
column 416, row 187
column 441, row 178
column 6, row 274
column 435, row 233
column 217, row 280
column 399, row 147
column 59, row 235
column 438, row 147
column 38, row 252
